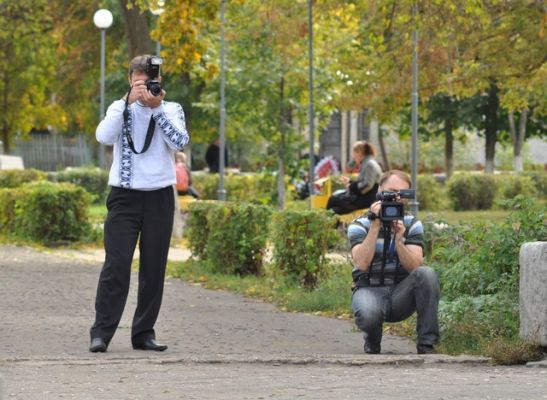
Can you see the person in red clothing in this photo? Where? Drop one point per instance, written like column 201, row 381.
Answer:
column 184, row 176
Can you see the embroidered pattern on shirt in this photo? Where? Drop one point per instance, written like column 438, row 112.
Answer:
column 177, row 137
column 126, row 159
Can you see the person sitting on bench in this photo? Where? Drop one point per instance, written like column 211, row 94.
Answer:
column 360, row 193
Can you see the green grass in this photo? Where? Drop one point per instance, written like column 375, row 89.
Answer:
column 331, row 298
column 97, row 211
column 457, row 217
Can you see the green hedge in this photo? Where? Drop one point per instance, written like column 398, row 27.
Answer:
column 256, row 188
column 47, row 212
column 237, row 237
column 472, row 191
column 432, row 195
column 300, row 243
column 196, row 230
column 8, row 200
column 93, row 180
column 540, row 181
column 12, row 178
column 231, row 236
column 509, row 186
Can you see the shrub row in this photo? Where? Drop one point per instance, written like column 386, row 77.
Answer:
column 93, row 180
column 256, row 188
column 478, row 191
column 232, row 237
column 12, row 178
column 45, row 212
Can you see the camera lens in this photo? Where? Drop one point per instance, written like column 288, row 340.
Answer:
column 154, row 87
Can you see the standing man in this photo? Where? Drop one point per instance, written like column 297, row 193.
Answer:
column 212, row 156
column 145, row 131
column 403, row 285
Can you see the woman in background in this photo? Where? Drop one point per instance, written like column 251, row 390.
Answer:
column 359, row 193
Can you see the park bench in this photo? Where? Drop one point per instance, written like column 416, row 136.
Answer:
column 184, row 202
column 319, row 201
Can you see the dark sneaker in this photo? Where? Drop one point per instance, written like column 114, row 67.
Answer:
column 425, row 349
column 372, row 348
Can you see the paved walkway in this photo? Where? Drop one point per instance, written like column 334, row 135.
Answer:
column 221, row 346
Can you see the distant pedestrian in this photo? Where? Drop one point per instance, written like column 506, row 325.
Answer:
column 212, row 156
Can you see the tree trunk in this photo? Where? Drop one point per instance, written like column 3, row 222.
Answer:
column 518, row 138
column 5, row 139
column 385, row 159
column 136, row 29
column 5, row 124
column 448, row 147
column 491, row 128
column 281, row 148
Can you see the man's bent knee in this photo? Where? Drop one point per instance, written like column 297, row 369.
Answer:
column 426, row 274
column 368, row 315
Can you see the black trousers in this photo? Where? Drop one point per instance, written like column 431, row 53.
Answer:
column 346, row 202
column 132, row 213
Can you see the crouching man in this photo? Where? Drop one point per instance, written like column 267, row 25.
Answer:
column 390, row 281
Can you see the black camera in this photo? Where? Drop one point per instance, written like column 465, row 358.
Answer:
column 153, row 71
column 390, row 209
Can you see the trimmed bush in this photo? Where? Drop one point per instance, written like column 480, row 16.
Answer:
column 510, row 186
column 300, row 243
column 472, row 191
column 432, row 195
column 540, row 181
column 236, row 238
column 12, row 178
column 257, row 188
column 8, row 200
column 49, row 212
column 93, row 180
column 196, row 230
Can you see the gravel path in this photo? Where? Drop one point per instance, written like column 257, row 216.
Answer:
column 221, row 346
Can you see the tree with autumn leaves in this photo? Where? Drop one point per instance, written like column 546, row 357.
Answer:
column 482, row 66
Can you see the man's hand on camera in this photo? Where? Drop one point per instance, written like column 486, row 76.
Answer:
column 137, row 90
column 375, row 208
column 399, row 230
column 149, row 100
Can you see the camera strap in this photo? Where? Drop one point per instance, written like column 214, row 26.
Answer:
column 125, row 130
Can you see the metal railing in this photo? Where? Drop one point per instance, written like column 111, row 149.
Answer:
column 54, row 152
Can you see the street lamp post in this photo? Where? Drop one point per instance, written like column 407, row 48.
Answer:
column 221, row 189
column 414, row 205
column 157, row 12
column 310, row 83
column 102, row 20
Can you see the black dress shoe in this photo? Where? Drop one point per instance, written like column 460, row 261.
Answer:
column 98, row 345
column 425, row 349
column 371, row 348
column 150, row 344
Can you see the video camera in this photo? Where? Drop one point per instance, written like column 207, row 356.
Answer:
column 153, row 70
column 390, row 209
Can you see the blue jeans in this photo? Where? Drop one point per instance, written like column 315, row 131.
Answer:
column 418, row 292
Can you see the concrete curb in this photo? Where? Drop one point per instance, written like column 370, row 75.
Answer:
column 312, row 359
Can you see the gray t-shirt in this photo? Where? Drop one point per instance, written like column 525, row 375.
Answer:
column 369, row 175
column 393, row 270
